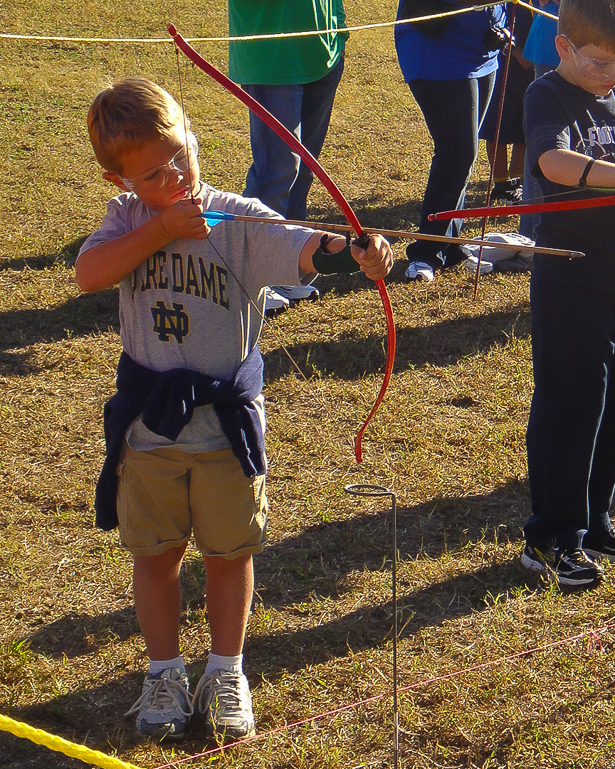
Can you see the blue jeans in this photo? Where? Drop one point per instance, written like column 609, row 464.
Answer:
column 277, row 176
column 454, row 111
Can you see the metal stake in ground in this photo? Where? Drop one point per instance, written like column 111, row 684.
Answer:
column 370, row 490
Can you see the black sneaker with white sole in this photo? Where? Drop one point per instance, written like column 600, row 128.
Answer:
column 568, row 566
column 604, row 547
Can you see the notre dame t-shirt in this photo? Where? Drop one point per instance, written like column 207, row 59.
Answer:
column 199, row 304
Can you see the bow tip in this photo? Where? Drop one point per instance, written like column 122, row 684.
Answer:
column 358, row 451
column 172, row 30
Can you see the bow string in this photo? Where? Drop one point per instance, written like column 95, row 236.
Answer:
column 295, row 145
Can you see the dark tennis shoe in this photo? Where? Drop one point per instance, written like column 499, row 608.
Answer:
column 600, row 548
column 569, row 567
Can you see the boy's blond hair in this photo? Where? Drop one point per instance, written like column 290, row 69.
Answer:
column 588, row 22
column 128, row 113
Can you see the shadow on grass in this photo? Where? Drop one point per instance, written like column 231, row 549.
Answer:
column 317, row 561
column 371, row 626
column 66, row 256
column 439, row 344
column 75, row 635
column 83, row 315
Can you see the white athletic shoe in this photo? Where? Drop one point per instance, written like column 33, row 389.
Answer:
column 164, row 707
column 274, row 302
column 296, row 294
column 225, row 700
column 419, row 271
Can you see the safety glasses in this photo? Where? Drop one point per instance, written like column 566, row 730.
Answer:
column 158, row 177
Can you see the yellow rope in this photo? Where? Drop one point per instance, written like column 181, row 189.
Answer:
column 533, row 8
column 61, row 745
column 245, row 38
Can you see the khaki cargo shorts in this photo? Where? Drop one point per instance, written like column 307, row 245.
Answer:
column 164, row 495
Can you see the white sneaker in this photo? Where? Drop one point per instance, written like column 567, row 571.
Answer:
column 419, row 271
column 225, row 700
column 274, row 302
column 471, row 265
column 164, row 707
column 297, row 293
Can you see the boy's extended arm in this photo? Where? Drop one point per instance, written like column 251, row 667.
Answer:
column 375, row 261
column 566, row 167
column 106, row 264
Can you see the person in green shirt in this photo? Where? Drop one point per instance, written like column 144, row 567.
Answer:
column 296, row 80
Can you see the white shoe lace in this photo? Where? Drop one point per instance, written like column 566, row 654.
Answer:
column 163, row 694
column 226, row 696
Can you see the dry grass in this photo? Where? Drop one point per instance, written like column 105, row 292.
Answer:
column 449, row 441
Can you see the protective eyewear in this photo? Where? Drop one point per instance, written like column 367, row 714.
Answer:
column 598, row 70
column 159, row 176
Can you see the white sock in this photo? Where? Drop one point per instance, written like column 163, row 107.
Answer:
column 219, row 662
column 155, row 666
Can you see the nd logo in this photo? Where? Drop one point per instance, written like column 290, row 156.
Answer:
column 170, row 321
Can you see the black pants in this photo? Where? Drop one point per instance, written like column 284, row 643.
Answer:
column 454, row 111
column 571, row 429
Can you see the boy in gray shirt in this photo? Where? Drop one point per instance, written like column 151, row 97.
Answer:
column 185, row 431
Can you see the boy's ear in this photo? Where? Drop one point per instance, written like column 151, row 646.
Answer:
column 115, row 179
column 563, row 47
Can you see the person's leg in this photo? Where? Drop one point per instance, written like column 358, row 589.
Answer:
column 507, row 181
column 316, row 108
column 153, row 514
column 453, row 111
column 229, row 521
column 571, row 355
column 275, row 166
column 517, row 158
column 230, row 585
column 602, row 481
column 498, row 160
column 223, row 692
column 158, row 601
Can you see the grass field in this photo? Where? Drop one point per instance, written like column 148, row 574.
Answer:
column 449, row 441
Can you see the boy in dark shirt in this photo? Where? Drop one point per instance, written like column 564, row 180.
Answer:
column 570, row 133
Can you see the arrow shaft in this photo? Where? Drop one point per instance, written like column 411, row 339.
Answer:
column 390, row 233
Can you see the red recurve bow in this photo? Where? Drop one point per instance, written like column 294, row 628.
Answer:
column 296, row 146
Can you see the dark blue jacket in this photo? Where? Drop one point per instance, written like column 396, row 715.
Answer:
column 167, row 400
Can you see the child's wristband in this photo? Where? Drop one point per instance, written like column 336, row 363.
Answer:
column 585, row 174
column 330, row 264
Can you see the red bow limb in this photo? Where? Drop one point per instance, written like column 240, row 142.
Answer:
column 307, row 157
column 527, row 208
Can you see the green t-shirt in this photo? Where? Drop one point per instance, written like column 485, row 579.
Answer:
column 288, row 61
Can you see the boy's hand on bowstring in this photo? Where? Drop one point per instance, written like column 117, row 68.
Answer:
column 375, row 258
column 184, row 220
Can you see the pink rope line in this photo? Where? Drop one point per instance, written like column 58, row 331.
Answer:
column 593, row 645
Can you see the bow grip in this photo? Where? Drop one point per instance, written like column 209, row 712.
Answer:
column 362, row 241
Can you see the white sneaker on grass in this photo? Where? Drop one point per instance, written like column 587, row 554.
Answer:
column 419, row 271
column 165, row 706
column 296, row 294
column 225, row 700
column 274, row 302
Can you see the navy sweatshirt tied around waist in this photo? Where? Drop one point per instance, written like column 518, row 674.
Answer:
column 166, row 400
